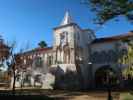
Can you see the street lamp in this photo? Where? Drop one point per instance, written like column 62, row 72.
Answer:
column 91, row 76
column 109, row 76
column 89, row 63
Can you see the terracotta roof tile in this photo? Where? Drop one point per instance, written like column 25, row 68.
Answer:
column 113, row 38
column 37, row 50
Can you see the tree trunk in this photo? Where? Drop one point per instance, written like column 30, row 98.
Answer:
column 14, row 80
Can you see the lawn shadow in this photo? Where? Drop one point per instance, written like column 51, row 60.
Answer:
column 26, row 97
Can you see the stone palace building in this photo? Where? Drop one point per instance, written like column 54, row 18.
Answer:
column 76, row 60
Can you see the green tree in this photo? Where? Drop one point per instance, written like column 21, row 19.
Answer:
column 109, row 9
column 127, row 59
column 42, row 44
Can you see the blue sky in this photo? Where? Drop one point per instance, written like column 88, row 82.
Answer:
column 30, row 21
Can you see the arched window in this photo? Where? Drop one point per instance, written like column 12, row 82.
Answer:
column 25, row 61
column 38, row 80
column 27, row 79
column 113, row 56
column 18, row 77
column 38, row 62
column 102, row 57
column 98, row 57
column 94, row 57
column 49, row 60
column 123, row 51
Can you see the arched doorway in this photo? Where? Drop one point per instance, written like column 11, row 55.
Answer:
column 104, row 76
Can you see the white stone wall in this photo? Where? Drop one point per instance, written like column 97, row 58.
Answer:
column 57, row 33
column 103, row 46
column 82, row 39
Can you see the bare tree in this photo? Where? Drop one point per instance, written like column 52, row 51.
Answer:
column 17, row 63
column 11, row 63
column 14, row 63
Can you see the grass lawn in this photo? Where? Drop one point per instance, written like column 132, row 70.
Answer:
column 36, row 94
column 27, row 97
column 126, row 96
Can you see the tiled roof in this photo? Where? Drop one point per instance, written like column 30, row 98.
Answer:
column 38, row 50
column 113, row 38
column 42, row 49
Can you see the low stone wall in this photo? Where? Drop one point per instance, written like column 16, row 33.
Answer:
column 62, row 76
column 65, row 77
column 46, row 82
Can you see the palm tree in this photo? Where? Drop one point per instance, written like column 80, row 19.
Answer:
column 42, row 44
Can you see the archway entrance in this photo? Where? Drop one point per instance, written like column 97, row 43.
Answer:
column 104, row 76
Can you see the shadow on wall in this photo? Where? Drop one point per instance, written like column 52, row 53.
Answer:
column 65, row 80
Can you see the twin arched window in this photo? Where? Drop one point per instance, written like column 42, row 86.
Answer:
column 38, row 62
column 103, row 56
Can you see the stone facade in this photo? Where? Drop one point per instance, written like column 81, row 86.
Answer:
column 73, row 60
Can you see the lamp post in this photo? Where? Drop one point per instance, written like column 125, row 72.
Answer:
column 109, row 85
column 91, row 74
